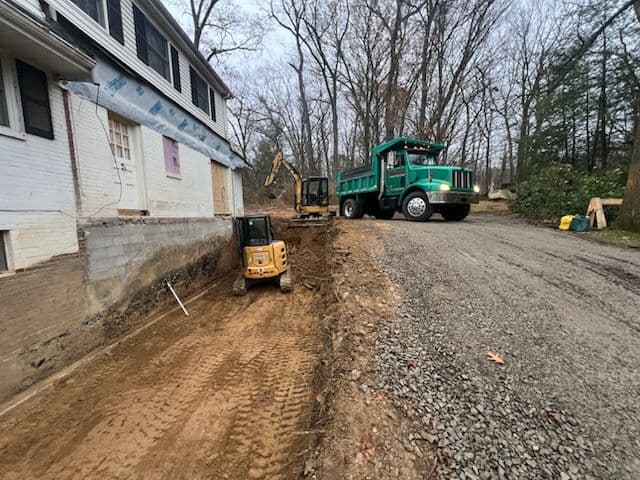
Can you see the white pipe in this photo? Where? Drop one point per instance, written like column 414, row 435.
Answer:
column 179, row 302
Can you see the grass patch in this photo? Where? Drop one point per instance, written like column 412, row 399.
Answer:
column 619, row 237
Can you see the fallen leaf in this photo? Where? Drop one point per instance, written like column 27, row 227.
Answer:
column 495, row 357
column 367, row 450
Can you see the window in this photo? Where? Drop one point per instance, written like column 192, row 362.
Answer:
column 93, row 8
column 199, row 91
column 175, row 69
column 34, row 94
column 171, row 157
column 4, row 266
column 4, row 106
column 119, row 138
column 114, row 12
column 423, row 159
column 212, row 99
column 152, row 47
column 100, row 10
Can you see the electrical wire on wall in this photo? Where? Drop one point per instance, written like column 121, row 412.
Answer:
column 113, row 156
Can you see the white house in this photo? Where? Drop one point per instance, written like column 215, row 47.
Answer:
column 116, row 174
column 106, row 110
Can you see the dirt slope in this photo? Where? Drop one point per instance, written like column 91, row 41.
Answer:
column 225, row 393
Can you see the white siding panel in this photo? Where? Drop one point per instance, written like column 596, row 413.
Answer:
column 99, row 192
column 37, row 194
column 128, row 55
column 189, row 196
column 238, row 198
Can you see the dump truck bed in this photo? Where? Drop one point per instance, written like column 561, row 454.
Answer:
column 357, row 180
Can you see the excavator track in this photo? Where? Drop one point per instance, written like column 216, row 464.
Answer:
column 240, row 285
column 286, row 282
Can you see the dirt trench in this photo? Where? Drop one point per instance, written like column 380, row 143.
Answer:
column 230, row 392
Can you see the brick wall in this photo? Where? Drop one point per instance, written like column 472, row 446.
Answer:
column 37, row 203
column 160, row 194
column 53, row 314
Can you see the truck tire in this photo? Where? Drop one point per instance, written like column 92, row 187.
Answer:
column 416, row 207
column 455, row 213
column 351, row 209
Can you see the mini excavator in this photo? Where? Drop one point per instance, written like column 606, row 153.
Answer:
column 263, row 257
column 311, row 194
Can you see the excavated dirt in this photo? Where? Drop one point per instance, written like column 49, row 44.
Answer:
column 229, row 392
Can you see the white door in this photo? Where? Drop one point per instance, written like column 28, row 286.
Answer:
column 125, row 167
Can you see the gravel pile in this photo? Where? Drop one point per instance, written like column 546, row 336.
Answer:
column 550, row 412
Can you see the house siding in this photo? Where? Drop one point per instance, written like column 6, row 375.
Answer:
column 83, row 275
column 37, row 193
column 166, row 196
column 128, row 55
column 188, row 196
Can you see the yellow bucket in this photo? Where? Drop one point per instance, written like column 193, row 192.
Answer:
column 565, row 222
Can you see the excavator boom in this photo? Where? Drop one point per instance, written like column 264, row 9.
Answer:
column 276, row 164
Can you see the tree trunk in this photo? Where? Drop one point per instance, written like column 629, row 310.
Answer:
column 629, row 218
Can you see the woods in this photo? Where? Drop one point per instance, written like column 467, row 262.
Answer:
column 509, row 86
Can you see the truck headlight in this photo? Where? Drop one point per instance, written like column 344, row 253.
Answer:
column 476, row 188
column 445, row 187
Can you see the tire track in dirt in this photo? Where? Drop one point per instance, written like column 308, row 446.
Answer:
column 223, row 393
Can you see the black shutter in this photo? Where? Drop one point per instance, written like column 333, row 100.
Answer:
column 114, row 12
column 141, row 35
column 194, row 86
column 34, row 96
column 175, row 68
column 212, row 100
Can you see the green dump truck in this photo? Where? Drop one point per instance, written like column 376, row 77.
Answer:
column 404, row 176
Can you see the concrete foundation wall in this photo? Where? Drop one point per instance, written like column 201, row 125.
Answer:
column 55, row 313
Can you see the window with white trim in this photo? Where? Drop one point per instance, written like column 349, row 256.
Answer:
column 119, row 138
column 11, row 124
column 152, row 48
column 107, row 13
column 199, row 91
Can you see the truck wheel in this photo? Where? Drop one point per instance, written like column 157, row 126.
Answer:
column 351, row 209
column 416, row 207
column 455, row 212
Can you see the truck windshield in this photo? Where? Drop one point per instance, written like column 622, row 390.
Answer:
column 424, row 159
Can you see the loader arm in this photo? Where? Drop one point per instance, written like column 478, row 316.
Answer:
column 276, row 164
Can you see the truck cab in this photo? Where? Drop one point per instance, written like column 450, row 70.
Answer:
column 405, row 175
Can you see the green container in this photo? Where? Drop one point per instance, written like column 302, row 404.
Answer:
column 580, row 223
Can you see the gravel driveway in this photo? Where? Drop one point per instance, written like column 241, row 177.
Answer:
column 564, row 313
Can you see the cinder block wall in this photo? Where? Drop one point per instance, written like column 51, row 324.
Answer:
column 56, row 312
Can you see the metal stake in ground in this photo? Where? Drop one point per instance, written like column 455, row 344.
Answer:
column 177, row 299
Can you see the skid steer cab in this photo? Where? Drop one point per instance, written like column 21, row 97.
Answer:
column 263, row 257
